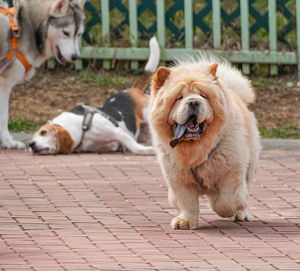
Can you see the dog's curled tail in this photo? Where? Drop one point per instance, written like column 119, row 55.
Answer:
column 237, row 82
column 151, row 65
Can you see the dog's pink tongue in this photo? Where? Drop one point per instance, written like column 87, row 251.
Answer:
column 179, row 132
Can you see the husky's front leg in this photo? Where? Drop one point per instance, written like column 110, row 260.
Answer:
column 6, row 139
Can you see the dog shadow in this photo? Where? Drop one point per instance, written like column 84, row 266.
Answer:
column 255, row 227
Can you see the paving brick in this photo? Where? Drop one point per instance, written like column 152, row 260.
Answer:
column 110, row 212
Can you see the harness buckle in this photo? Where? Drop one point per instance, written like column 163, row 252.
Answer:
column 15, row 35
column 15, row 32
column 87, row 120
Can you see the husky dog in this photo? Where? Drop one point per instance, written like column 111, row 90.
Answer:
column 45, row 28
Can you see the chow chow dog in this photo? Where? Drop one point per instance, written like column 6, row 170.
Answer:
column 206, row 138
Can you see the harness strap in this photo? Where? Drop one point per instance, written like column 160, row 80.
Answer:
column 88, row 120
column 86, row 124
column 198, row 178
column 109, row 117
column 14, row 53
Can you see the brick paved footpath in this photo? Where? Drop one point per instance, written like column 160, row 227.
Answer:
column 110, row 212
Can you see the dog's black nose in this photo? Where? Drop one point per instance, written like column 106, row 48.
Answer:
column 74, row 57
column 193, row 104
column 32, row 144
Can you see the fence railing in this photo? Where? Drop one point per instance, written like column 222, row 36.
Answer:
column 243, row 31
column 275, row 19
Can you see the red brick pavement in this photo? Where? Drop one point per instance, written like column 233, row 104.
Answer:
column 110, row 212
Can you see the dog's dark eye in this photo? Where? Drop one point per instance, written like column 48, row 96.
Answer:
column 67, row 34
column 43, row 133
column 179, row 98
column 203, row 96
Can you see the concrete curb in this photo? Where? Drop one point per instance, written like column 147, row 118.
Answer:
column 281, row 144
column 24, row 137
column 268, row 143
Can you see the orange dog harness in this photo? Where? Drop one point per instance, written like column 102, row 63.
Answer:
column 10, row 13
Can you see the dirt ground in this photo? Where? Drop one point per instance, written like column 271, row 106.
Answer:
column 51, row 92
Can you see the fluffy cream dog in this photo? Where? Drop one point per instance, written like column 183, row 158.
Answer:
column 207, row 139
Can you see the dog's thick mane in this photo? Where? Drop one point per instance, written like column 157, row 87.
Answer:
column 226, row 73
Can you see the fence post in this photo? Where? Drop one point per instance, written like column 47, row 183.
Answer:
column 298, row 35
column 160, row 15
column 78, row 63
column 272, row 33
column 105, row 29
column 188, row 20
column 51, row 64
column 244, row 7
column 216, row 9
column 133, row 25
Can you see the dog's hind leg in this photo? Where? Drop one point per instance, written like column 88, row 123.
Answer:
column 129, row 142
column 6, row 139
column 231, row 202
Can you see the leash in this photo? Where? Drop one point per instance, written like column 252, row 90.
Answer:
column 15, row 34
column 194, row 169
column 88, row 117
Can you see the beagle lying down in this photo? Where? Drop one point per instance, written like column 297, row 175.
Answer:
column 116, row 125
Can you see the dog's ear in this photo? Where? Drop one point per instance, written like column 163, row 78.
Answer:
column 159, row 79
column 64, row 142
column 81, row 3
column 213, row 70
column 60, row 8
column 16, row 5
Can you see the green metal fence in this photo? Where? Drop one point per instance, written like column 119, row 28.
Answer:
column 243, row 31
column 265, row 30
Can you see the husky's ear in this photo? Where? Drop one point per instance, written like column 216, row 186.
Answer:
column 159, row 79
column 80, row 3
column 16, row 5
column 60, row 8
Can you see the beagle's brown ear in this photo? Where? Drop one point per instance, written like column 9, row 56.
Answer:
column 159, row 79
column 213, row 70
column 65, row 143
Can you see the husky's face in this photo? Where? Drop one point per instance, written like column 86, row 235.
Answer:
column 65, row 27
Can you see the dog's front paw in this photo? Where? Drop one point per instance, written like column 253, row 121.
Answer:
column 181, row 222
column 241, row 215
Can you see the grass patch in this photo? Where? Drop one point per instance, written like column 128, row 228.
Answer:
column 288, row 131
column 91, row 77
column 23, row 125
column 263, row 83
